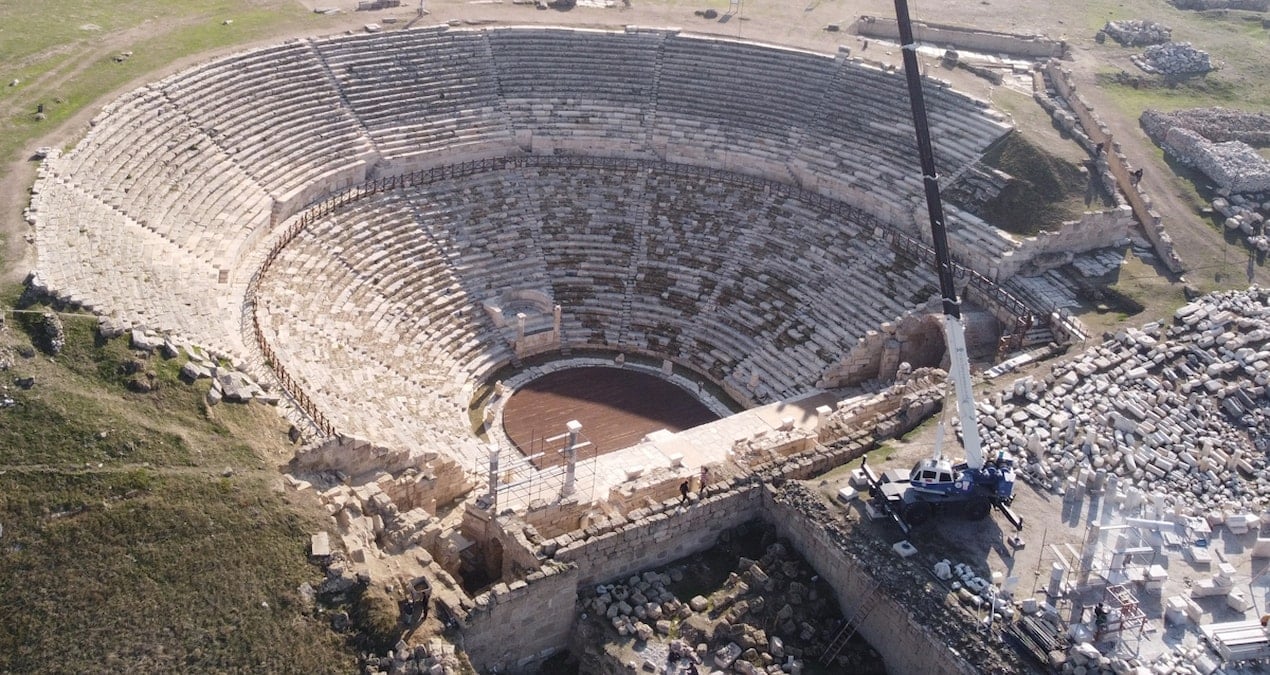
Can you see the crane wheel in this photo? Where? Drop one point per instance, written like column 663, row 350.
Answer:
column 918, row 513
column 978, row 509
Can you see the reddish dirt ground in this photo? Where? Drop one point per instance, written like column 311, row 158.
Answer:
column 616, row 408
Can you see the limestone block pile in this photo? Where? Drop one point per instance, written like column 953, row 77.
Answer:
column 1219, row 143
column 769, row 616
column 1174, row 58
column 372, row 521
column 1234, row 165
column 1135, row 33
column 1187, row 658
column 1217, row 124
column 974, row 591
column 1178, row 410
column 435, row 657
column 641, row 606
column 1247, row 214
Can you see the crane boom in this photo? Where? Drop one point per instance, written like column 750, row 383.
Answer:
column 954, row 329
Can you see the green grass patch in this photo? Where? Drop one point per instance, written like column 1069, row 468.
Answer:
column 881, row 453
column 146, row 573
column 48, row 44
column 68, row 429
column 117, row 542
column 1133, row 94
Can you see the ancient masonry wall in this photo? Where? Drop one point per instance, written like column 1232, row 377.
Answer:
column 656, row 539
column 512, row 627
column 1118, row 165
column 917, row 338
column 1094, row 230
column 905, row 645
column 516, row 625
column 970, row 39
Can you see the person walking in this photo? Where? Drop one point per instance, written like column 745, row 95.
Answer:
column 683, row 492
column 705, row 481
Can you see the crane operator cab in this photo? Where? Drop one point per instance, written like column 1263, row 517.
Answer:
column 933, row 473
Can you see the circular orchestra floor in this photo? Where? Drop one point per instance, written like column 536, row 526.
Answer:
column 617, row 408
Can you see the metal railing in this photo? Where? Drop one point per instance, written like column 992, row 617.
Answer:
column 900, row 242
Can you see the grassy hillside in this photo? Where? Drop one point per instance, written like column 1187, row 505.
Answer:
column 146, row 532
column 63, row 54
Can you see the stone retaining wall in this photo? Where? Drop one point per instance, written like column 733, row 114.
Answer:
column 654, row 539
column 905, row 645
column 1118, row 165
column 1094, row 230
column 970, row 39
column 514, row 626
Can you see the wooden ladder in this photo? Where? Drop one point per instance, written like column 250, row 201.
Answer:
column 867, row 604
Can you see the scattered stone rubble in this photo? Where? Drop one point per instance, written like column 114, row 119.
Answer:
column 1248, row 215
column 1216, row 124
column 1083, row 658
column 1174, row 58
column 1251, row 5
column 1180, row 410
column 228, row 384
column 435, row 657
column 771, row 615
column 975, row 592
column 1135, row 33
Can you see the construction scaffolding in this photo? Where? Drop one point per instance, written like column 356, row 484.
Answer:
column 516, row 481
column 1117, row 616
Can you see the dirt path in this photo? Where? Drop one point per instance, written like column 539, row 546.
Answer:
column 1211, row 262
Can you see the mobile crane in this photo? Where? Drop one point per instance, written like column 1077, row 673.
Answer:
column 935, row 484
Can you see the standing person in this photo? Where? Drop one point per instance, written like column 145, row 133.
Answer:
column 705, row 480
column 683, row 492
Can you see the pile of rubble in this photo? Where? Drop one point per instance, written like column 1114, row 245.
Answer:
column 1219, row 143
column 1173, row 58
column 645, row 599
column 1248, row 215
column 1134, row 33
column 973, row 591
column 1201, row 5
column 1216, row 124
column 228, row 384
column 53, row 334
column 771, row 615
column 1085, row 659
column 435, row 657
column 1181, row 411
column 1234, row 165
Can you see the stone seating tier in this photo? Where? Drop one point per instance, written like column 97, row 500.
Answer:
column 274, row 111
column 400, row 279
column 201, row 169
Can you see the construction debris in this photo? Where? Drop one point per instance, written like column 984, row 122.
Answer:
column 1174, row 411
